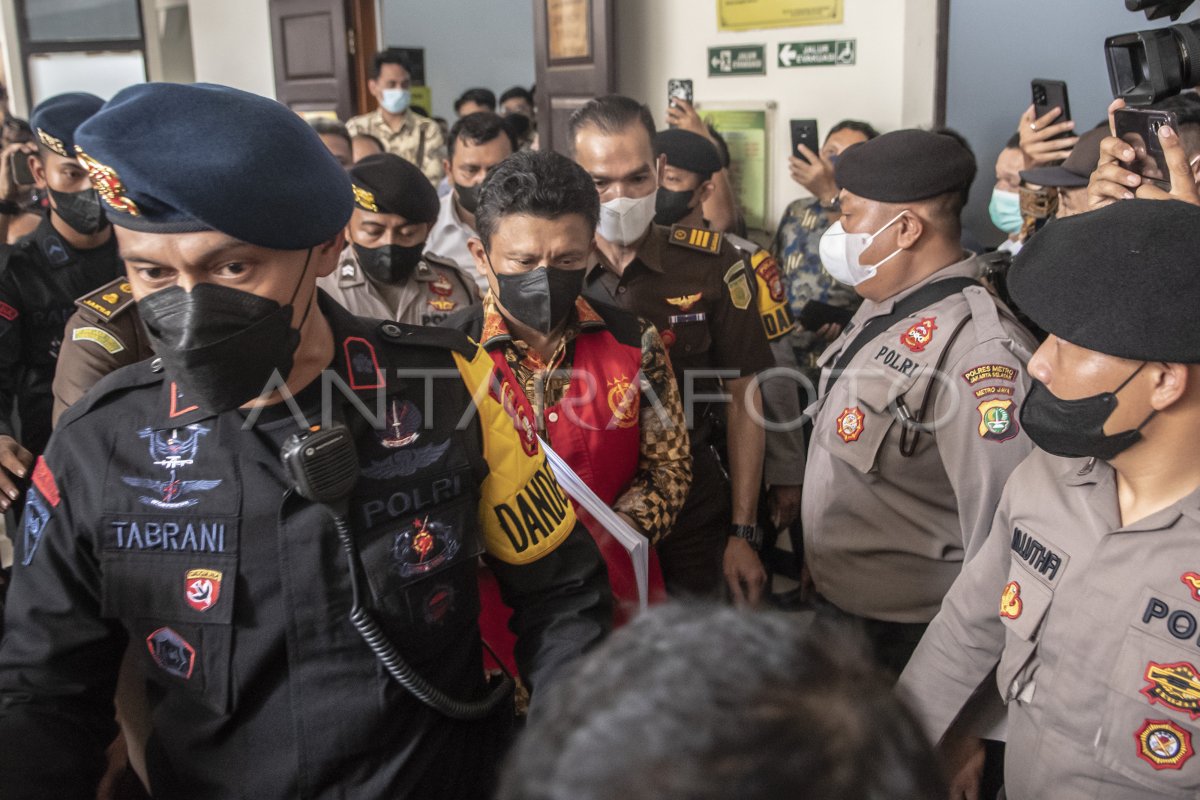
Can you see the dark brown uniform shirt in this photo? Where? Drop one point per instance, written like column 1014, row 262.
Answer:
column 104, row 334
column 696, row 291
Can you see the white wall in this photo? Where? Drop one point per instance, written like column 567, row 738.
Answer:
column 231, row 44
column 891, row 85
column 467, row 43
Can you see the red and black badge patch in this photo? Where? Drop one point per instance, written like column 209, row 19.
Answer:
column 172, row 653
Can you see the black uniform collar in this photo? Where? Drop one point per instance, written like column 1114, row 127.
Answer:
column 58, row 252
column 355, row 361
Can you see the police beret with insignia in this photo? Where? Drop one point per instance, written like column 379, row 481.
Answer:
column 55, row 120
column 1120, row 280
column 687, row 150
column 906, row 166
column 176, row 158
column 388, row 184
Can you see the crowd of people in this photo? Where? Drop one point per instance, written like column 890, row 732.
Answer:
column 324, row 443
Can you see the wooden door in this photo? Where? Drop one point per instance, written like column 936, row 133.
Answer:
column 312, row 43
column 573, row 42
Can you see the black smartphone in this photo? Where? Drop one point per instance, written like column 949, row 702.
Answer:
column 1138, row 127
column 1048, row 95
column 679, row 88
column 18, row 165
column 804, row 132
column 816, row 315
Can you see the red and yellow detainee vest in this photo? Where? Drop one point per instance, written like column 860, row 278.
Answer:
column 595, row 429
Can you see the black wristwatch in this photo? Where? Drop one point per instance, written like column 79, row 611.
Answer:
column 751, row 534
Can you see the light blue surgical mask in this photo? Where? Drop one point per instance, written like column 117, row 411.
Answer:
column 395, row 101
column 1005, row 211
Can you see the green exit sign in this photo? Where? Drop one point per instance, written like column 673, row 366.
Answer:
column 747, row 59
column 818, row 54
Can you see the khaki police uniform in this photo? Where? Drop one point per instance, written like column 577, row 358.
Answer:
column 694, row 286
column 890, row 512
column 104, row 334
column 436, row 290
column 1095, row 626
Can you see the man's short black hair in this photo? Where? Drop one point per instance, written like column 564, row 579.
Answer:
column 706, row 703
column 478, row 128
column 865, row 128
column 392, row 55
column 612, row 114
column 478, row 96
column 330, row 127
column 538, row 183
column 517, row 91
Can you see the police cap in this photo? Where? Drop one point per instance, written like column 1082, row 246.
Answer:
column 1120, row 280
column 687, row 150
column 175, row 158
column 55, row 120
column 388, row 184
column 906, row 166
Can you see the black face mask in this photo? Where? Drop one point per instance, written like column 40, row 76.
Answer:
column 390, row 263
column 519, row 124
column 221, row 345
column 80, row 210
column 1075, row 428
column 541, row 298
column 671, row 206
column 468, row 197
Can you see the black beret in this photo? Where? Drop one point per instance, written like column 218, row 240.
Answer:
column 905, row 166
column 388, row 184
column 687, row 150
column 56, row 118
column 173, row 158
column 1122, row 280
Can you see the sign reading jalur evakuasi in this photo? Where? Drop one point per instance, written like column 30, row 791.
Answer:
column 835, row 52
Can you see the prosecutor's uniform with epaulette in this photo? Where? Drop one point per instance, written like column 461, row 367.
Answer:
column 696, row 289
column 104, row 334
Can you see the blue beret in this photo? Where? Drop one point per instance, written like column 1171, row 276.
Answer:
column 687, row 150
column 1120, row 280
column 906, row 166
column 56, row 118
column 174, row 158
column 387, row 184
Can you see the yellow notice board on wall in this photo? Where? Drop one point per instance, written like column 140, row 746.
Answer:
column 748, row 15
column 745, row 133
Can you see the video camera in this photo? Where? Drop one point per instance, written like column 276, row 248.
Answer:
column 1146, row 66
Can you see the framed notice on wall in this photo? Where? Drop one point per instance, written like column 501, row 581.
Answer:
column 747, row 15
column 744, row 128
column 569, row 30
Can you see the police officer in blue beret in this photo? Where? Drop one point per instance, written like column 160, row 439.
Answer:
column 71, row 253
column 161, row 520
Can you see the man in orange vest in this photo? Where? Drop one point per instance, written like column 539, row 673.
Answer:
column 598, row 385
